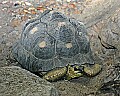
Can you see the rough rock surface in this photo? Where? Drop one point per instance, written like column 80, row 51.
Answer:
column 15, row 81
column 97, row 10
column 102, row 19
column 111, row 85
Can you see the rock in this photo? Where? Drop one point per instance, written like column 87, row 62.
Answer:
column 111, row 83
column 15, row 81
column 113, row 73
column 101, row 18
column 97, row 10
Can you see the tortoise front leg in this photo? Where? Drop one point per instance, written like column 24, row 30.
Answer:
column 71, row 72
column 92, row 70
column 79, row 70
column 55, row 74
column 68, row 72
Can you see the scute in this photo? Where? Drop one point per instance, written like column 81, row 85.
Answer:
column 57, row 16
column 47, row 50
column 66, row 34
column 65, row 52
column 52, row 40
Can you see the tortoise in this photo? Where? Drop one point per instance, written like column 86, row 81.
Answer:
column 56, row 46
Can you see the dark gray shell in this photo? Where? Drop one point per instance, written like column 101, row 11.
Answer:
column 52, row 40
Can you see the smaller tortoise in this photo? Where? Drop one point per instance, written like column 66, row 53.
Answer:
column 57, row 45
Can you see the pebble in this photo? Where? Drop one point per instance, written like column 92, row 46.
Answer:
column 4, row 9
column 17, row 3
column 4, row 2
column 28, row 4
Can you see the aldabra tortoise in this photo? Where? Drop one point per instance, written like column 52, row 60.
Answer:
column 57, row 45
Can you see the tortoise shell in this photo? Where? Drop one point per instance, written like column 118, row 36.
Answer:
column 52, row 40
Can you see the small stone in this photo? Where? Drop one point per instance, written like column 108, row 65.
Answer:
column 4, row 2
column 28, row 4
column 15, row 81
column 4, row 9
column 17, row 3
column 41, row 8
column 26, row 11
column 68, row 0
column 33, row 12
column 31, row 8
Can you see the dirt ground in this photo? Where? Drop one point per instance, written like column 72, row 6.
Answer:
column 14, row 14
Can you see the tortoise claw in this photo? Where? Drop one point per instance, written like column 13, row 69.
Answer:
column 72, row 73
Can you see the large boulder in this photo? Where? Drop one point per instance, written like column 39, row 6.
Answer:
column 15, row 81
column 101, row 18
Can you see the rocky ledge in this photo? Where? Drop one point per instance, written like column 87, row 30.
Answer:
column 15, row 81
